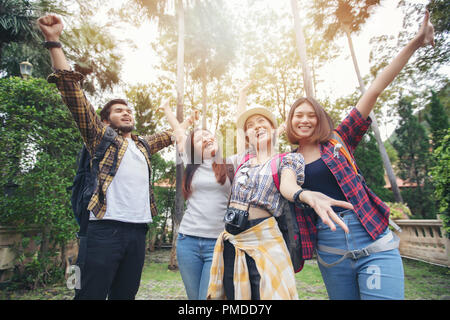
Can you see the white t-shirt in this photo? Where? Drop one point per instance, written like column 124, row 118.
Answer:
column 206, row 206
column 128, row 196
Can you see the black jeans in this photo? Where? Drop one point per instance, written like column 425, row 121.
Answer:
column 114, row 261
column 229, row 254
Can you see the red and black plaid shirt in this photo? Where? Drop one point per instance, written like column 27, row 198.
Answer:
column 371, row 211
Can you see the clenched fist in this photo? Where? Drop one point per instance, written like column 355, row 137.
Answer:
column 51, row 27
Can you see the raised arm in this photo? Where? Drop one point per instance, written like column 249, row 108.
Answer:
column 424, row 36
column 68, row 84
column 316, row 200
column 242, row 102
column 178, row 129
column 52, row 27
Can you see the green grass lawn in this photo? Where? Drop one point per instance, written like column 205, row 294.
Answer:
column 422, row 282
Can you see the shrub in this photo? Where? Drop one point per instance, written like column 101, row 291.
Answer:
column 441, row 180
column 39, row 143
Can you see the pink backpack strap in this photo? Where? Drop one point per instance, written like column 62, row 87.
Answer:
column 274, row 167
column 247, row 157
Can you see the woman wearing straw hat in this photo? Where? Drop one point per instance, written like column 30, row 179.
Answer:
column 251, row 260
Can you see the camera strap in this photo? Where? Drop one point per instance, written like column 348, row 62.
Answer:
column 247, row 157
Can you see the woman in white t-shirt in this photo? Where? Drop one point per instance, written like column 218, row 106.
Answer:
column 206, row 187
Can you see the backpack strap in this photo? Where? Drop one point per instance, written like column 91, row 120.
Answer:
column 340, row 146
column 247, row 157
column 107, row 139
column 145, row 143
column 274, row 166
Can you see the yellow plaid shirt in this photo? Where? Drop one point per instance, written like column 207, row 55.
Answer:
column 265, row 244
column 92, row 131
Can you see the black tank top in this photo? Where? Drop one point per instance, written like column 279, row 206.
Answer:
column 319, row 178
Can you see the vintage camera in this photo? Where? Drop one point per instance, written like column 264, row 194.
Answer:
column 236, row 218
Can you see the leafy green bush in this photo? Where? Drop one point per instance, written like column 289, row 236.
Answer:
column 39, row 143
column 441, row 180
column 399, row 210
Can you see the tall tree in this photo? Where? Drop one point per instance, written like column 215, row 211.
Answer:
column 413, row 151
column 369, row 161
column 348, row 16
column 424, row 71
column 89, row 45
column 301, row 46
column 279, row 81
column 210, row 44
column 441, row 180
column 19, row 38
column 146, row 100
column 16, row 22
column 437, row 120
column 157, row 9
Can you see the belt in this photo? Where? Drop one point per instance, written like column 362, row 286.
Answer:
column 382, row 244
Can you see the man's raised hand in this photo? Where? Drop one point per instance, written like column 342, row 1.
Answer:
column 51, row 27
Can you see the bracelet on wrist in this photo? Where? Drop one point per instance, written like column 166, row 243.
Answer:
column 52, row 44
column 297, row 201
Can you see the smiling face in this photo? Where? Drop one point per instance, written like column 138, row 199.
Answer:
column 121, row 117
column 259, row 131
column 205, row 143
column 304, row 121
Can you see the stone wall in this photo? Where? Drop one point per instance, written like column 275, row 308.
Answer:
column 424, row 240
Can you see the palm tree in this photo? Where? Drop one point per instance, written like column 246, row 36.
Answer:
column 18, row 19
column 210, row 44
column 179, row 200
column 156, row 9
column 301, row 46
column 348, row 16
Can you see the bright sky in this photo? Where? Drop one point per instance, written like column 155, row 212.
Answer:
column 340, row 81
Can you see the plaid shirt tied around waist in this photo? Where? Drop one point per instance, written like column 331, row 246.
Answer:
column 92, row 131
column 265, row 244
column 371, row 210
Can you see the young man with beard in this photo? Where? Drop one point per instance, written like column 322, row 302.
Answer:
column 123, row 203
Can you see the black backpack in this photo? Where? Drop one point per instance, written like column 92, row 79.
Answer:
column 84, row 185
column 287, row 221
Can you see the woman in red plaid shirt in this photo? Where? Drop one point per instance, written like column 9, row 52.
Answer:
column 360, row 261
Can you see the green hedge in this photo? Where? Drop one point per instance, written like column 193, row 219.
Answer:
column 441, row 180
column 39, row 143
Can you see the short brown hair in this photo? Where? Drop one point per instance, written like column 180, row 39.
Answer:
column 324, row 126
column 106, row 110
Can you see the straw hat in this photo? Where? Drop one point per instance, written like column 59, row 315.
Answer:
column 256, row 110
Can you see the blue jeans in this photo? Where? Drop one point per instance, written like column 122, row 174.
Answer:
column 377, row 276
column 194, row 255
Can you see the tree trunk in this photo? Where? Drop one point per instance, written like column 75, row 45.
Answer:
column 204, row 93
column 376, row 131
column 179, row 201
column 151, row 239
column 173, row 265
column 301, row 46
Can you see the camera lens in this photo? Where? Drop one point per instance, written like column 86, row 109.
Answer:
column 229, row 216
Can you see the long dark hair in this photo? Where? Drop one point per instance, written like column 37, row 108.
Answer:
column 220, row 168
